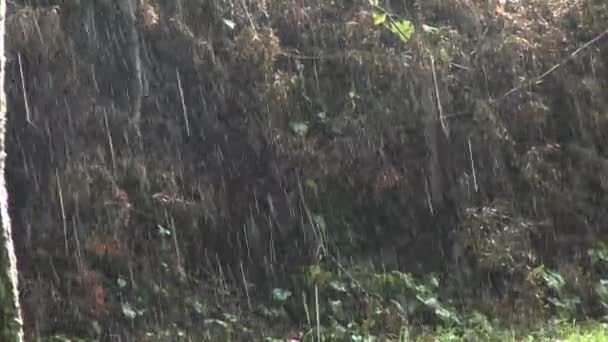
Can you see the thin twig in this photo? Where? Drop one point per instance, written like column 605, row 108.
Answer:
column 28, row 115
column 539, row 79
column 183, row 100
column 438, row 98
column 353, row 280
column 251, row 23
column 473, row 166
column 63, row 215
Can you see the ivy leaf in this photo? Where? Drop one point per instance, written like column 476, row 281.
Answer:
column 318, row 275
column 403, row 29
column 231, row 24
column 444, row 55
column 439, row 309
column 280, row 295
column 553, row 280
column 379, row 18
column 602, row 290
column 121, row 282
column 213, row 321
column 338, row 286
column 430, row 29
column 299, row 128
column 128, row 311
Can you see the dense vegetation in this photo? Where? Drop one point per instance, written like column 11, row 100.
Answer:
column 336, row 170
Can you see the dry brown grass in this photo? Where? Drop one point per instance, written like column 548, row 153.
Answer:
column 285, row 62
column 37, row 32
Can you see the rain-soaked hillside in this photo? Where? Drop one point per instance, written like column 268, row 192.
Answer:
column 178, row 167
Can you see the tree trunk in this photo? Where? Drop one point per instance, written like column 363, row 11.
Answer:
column 11, row 328
column 129, row 8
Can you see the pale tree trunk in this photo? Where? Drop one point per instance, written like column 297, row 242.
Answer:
column 129, row 9
column 11, row 326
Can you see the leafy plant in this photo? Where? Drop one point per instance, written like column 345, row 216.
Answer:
column 411, row 294
column 401, row 28
column 563, row 300
column 598, row 255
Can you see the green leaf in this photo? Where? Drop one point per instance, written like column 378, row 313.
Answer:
column 336, row 308
column 599, row 253
column 213, row 321
column 430, row 29
column 338, row 286
column 231, row 24
column 230, row 318
column 558, row 303
column 163, row 231
column 406, row 278
column 553, row 280
column 444, row 55
column 311, row 184
column 280, row 295
column 602, row 289
column 403, row 29
column 320, row 222
column 299, row 128
column 433, row 280
column 317, row 275
column 197, row 306
column 379, row 17
column 128, row 311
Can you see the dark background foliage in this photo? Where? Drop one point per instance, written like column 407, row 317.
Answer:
column 302, row 130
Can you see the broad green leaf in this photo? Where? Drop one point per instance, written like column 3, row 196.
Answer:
column 379, row 18
column 433, row 280
column 230, row 317
column 440, row 309
column 320, row 222
column 602, row 289
column 128, row 311
column 280, row 295
column 599, row 253
column 218, row 322
column 407, row 279
column 318, row 275
column 558, row 303
column 338, row 286
column 444, row 56
column 336, row 308
column 163, row 231
column 311, row 184
column 231, row 24
column 403, row 29
column 430, row 29
column 553, row 280
column 314, row 270
column 299, row 128
column 197, row 306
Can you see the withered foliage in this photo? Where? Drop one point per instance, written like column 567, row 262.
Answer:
column 260, row 116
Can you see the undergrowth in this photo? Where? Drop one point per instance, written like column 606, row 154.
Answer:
column 314, row 170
